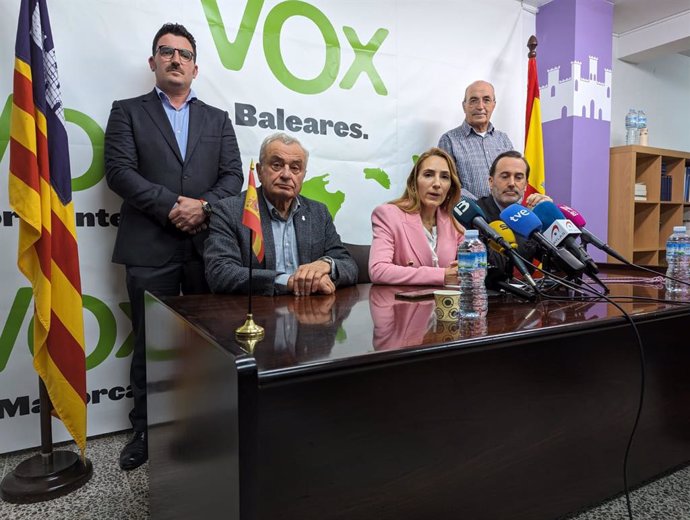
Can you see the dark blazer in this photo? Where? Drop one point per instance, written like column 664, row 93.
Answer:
column 143, row 165
column 226, row 253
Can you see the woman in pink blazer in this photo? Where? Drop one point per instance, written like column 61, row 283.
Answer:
column 415, row 237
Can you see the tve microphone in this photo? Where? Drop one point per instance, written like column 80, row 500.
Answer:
column 469, row 214
column 588, row 237
column 503, row 230
column 560, row 231
column 525, row 223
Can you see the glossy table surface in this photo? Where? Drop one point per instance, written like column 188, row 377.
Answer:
column 359, row 405
column 359, row 323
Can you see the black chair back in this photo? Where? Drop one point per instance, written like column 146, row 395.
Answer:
column 361, row 255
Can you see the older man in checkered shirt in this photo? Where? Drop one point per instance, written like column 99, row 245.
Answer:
column 476, row 143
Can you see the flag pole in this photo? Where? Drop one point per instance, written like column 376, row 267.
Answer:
column 250, row 330
column 250, row 333
column 534, row 140
column 48, row 474
column 62, row 378
column 532, row 46
column 251, row 263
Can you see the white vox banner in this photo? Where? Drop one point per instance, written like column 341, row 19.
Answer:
column 364, row 84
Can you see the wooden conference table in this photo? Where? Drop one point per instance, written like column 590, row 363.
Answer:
column 359, row 406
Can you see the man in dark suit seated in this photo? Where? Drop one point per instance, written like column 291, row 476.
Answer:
column 303, row 251
column 508, row 178
column 170, row 157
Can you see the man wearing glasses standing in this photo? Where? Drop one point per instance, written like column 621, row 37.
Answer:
column 476, row 143
column 303, row 251
column 170, row 157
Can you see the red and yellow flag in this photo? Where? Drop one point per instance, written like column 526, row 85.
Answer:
column 251, row 217
column 40, row 192
column 534, row 143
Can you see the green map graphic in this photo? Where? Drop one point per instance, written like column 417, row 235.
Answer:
column 315, row 189
column 379, row 176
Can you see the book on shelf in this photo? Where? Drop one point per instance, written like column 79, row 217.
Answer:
column 666, row 187
column 686, row 193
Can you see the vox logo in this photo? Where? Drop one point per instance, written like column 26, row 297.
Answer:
column 234, row 53
column 107, row 329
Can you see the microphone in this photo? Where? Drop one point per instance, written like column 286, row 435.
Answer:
column 469, row 214
column 526, row 224
column 504, row 231
column 559, row 230
column 588, row 237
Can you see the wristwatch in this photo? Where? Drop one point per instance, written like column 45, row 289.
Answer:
column 331, row 262
column 206, row 207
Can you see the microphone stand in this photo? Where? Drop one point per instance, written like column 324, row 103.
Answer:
column 515, row 291
column 496, row 279
column 593, row 276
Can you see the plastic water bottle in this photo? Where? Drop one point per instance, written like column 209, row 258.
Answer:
column 678, row 260
column 631, row 130
column 471, row 274
column 473, row 327
column 642, row 132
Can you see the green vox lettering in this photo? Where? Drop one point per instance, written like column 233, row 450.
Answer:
column 234, row 53
column 107, row 329
column 14, row 322
column 94, row 173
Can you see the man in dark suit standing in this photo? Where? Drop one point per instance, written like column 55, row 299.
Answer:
column 303, row 251
column 170, row 157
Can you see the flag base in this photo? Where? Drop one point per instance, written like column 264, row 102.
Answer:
column 249, row 330
column 45, row 477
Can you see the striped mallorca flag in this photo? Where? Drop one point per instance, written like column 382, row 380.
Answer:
column 251, row 217
column 40, row 193
column 534, row 142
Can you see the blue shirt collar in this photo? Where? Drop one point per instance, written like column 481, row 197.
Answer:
column 273, row 212
column 165, row 98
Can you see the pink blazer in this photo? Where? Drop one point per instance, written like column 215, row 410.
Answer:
column 398, row 323
column 400, row 253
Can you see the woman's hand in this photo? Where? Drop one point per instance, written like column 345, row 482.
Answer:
column 451, row 274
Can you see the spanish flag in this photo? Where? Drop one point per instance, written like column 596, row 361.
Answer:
column 40, row 192
column 251, row 217
column 534, row 143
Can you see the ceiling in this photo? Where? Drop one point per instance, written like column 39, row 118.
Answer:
column 647, row 29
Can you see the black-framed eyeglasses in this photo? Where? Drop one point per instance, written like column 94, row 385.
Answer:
column 167, row 53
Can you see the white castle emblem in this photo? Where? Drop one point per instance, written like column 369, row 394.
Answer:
column 576, row 96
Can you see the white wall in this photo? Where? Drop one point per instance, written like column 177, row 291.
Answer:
column 660, row 87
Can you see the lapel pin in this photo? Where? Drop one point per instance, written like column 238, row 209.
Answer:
column 303, row 219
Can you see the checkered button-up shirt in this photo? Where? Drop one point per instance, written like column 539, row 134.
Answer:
column 473, row 155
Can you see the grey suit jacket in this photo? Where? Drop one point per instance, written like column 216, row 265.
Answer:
column 227, row 253
column 144, row 166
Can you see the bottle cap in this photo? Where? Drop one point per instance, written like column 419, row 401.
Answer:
column 471, row 233
column 679, row 229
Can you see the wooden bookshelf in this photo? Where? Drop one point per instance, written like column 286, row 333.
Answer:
column 639, row 229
